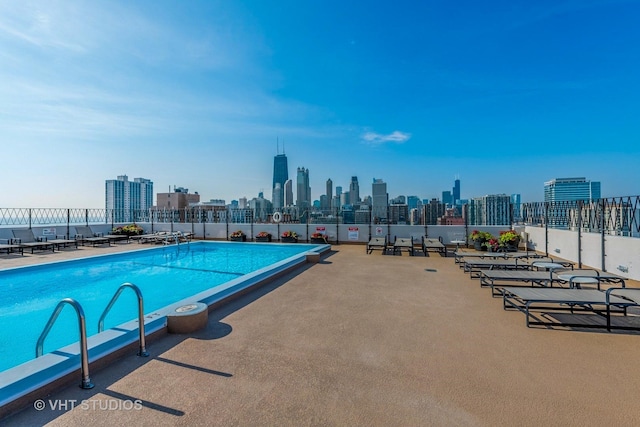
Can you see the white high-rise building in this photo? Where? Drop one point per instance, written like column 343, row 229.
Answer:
column 124, row 198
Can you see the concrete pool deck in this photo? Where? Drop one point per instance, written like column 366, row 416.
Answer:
column 360, row 340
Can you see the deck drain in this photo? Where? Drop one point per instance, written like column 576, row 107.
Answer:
column 431, row 270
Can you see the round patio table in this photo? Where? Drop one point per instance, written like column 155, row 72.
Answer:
column 547, row 265
column 576, row 281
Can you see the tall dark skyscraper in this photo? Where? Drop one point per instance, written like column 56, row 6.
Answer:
column 280, row 170
column 280, row 176
column 456, row 191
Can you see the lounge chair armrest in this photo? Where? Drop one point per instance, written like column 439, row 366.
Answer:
column 79, row 236
column 16, row 241
column 632, row 294
column 41, row 238
column 98, row 234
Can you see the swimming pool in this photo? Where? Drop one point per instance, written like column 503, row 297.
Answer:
column 28, row 295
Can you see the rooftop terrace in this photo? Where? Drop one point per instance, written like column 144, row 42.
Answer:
column 361, row 340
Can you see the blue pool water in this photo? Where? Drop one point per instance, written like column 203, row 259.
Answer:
column 165, row 275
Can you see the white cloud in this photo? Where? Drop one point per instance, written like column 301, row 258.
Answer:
column 395, row 137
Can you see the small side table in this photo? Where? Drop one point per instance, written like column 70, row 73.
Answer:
column 458, row 243
column 576, row 281
column 547, row 265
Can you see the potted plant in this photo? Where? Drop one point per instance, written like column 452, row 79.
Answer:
column 480, row 239
column 128, row 230
column 288, row 237
column 263, row 236
column 238, row 236
column 318, row 238
column 492, row 245
column 509, row 240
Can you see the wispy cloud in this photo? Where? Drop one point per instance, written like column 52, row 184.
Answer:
column 395, row 137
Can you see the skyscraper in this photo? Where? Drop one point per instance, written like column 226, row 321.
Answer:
column 571, row 189
column 493, row 209
column 280, row 176
column 325, row 201
column 354, row 191
column 456, row 191
column 379, row 200
column 288, row 193
column 303, row 191
column 123, row 197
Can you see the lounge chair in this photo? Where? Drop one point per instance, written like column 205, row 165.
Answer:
column 571, row 302
column 578, row 277
column 62, row 241
column 27, row 239
column 377, row 243
column 157, row 237
column 475, row 266
column 84, row 234
column 460, row 255
column 174, row 237
column 8, row 247
column 497, row 279
column 403, row 243
column 433, row 245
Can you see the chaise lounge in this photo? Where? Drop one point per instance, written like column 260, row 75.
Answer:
column 27, row 239
column 433, row 245
column 403, row 243
column 84, row 234
column 377, row 243
column 572, row 302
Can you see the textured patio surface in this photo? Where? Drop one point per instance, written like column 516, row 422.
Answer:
column 366, row 340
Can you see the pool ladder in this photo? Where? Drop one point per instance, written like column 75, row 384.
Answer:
column 84, row 358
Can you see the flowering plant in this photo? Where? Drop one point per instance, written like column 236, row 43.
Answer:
column 509, row 237
column 480, row 236
column 319, row 236
column 129, row 230
column 238, row 233
column 263, row 234
column 492, row 244
column 289, row 233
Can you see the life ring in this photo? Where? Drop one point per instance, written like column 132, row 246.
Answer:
column 277, row 217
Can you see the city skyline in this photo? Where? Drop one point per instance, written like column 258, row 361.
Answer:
column 502, row 95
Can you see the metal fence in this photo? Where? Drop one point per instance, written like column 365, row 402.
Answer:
column 618, row 216
column 613, row 216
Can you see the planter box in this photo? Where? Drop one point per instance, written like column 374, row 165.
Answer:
column 263, row 239
column 288, row 240
column 238, row 239
column 318, row 240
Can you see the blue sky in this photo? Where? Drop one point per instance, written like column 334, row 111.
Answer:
column 504, row 94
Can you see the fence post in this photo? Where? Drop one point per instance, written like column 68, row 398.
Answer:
column 602, row 233
column 546, row 228
column 580, row 207
column 337, row 230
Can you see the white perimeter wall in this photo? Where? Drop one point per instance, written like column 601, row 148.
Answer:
column 622, row 254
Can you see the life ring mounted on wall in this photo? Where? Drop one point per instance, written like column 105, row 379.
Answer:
column 277, row 217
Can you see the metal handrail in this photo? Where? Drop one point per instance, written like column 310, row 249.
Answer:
column 142, row 351
column 84, row 357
